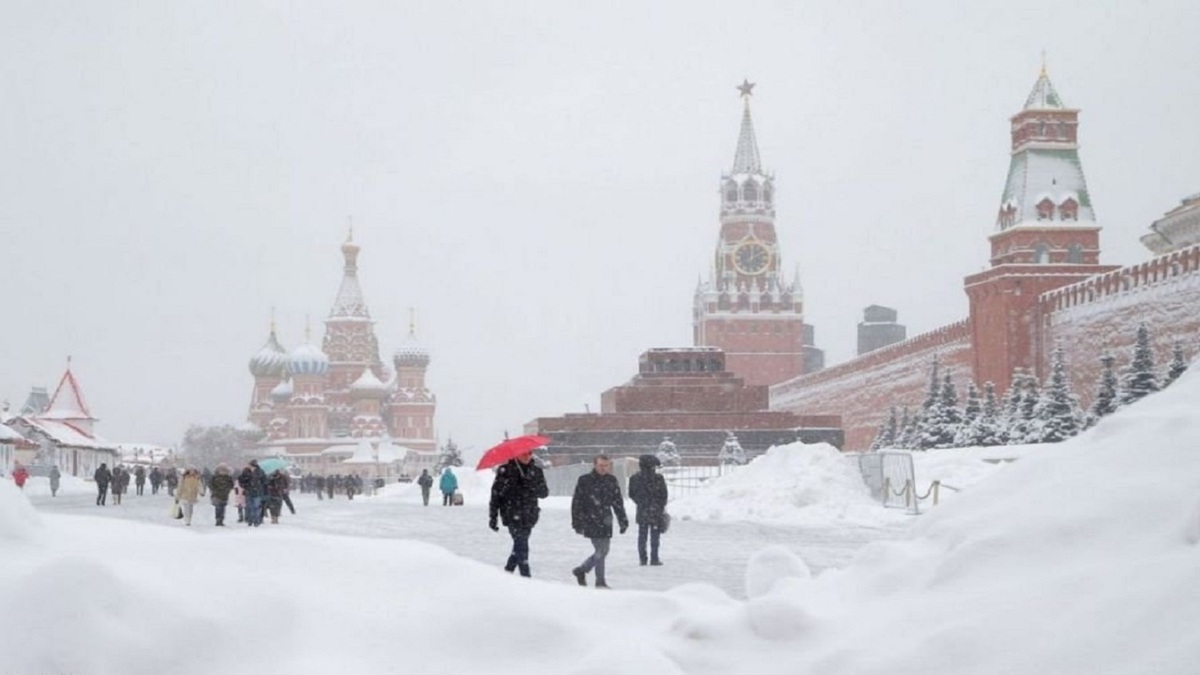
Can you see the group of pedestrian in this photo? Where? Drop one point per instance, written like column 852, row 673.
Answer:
column 596, row 506
column 258, row 495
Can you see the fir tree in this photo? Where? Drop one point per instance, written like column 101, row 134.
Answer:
column 1057, row 413
column 943, row 418
column 1178, row 364
column 924, row 436
column 1105, row 402
column 887, row 432
column 448, row 455
column 931, row 396
column 969, row 432
column 990, row 418
column 731, row 451
column 905, row 434
column 1140, row 380
column 668, row 453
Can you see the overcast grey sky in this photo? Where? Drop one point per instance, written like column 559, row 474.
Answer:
column 539, row 180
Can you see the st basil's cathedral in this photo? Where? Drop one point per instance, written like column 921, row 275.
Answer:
column 320, row 407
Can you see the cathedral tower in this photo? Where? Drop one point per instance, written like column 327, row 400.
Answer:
column 1045, row 237
column 747, row 307
column 412, row 405
column 349, row 341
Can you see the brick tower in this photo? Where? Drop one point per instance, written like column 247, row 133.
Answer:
column 350, row 343
column 1045, row 237
column 746, row 307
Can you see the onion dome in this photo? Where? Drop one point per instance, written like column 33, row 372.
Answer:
column 411, row 354
column 282, row 393
column 271, row 360
column 308, row 360
column 368, row 386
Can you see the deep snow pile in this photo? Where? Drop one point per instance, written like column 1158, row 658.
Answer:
column 67, row 485
column 795, row 484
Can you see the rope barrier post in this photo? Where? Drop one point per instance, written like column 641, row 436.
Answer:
column 908, row 494
column 936, row 484
column 887, row 489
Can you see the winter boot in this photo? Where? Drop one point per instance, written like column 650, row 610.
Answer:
column 524, row 567
column 656, row 562
column 580, row 576
column 601, row 584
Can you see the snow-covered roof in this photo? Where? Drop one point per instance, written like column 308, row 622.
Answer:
column 67, row 402
column 367, row 384
column 745, row 159
column 1043, row 96
column 386, row 453
column 65, row 433
column 9, row 434
column 1035, row 173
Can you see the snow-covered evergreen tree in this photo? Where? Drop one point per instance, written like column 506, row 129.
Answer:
column 886, row 438
column 945, row 417
column 448, row 455
column 969, row 432
column 731, row 451
column 1023, row 423
column 990, row 421
column 1139, row 381
column 1105, row 402
column 667, row 453
column 1057, row 414
column 923, row 435
column 905, row 431
column 1178, row 364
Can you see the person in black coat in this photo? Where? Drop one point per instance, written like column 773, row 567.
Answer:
column 518, row 486
column 597, row 497
column 648, row 490
column 102, row 477
column 156, row 479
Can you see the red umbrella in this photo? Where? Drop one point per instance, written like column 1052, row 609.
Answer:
column 509, row 449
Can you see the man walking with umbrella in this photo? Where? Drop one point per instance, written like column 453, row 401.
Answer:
column 597, row 497
column 518, row 486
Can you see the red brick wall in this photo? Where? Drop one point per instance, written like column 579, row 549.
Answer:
column 863, row 389
column 1102, row 314
column 764, row 351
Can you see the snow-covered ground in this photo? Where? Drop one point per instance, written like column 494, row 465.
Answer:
column 1083, row 557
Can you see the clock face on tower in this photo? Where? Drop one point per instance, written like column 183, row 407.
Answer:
column 751, row 258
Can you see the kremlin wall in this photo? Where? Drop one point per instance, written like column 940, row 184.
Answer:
column 1047, row 285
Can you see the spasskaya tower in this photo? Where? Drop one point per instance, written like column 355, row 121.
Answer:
column 747, row 307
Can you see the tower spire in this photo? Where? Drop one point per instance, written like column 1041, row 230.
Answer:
column 746, row 159
column 412, row 322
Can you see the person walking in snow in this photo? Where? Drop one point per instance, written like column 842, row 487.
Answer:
column 597, row 497
column 172, row 481
column 102, row 476
column 448, row 484
column 426, row 483
column 518, row 486
column 139, row 479
column 188, row 493
column 277, row 486
column 319, row 485
column 55, row 478
column 20, row 475
column 219, row 487
column 648, row 490
column 120, row 479
column 239, row 500
column 156, row 479
column 254, row 484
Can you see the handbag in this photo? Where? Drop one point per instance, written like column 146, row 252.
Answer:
column 176, row 511
column 664, row 523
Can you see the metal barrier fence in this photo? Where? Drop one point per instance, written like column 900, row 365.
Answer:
column 891, row 478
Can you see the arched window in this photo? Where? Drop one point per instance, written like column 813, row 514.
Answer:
column 1075, row 254
column 767, row 194
column 1069, row 209
column 749, row 191
column 731, row 193
column 1041, row 254
column 1045, row 209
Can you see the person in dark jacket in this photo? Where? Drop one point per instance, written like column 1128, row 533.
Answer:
column 103, row 477
column 55, row 477
column 518, row 486
column 254, row 485
column 426, row 483
column 139, row 479
column 172, row 481
column 156, row 479
column 648, row 490
column 277, row 487
column 597, row 498
column 219, row 487
column 120, row 481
